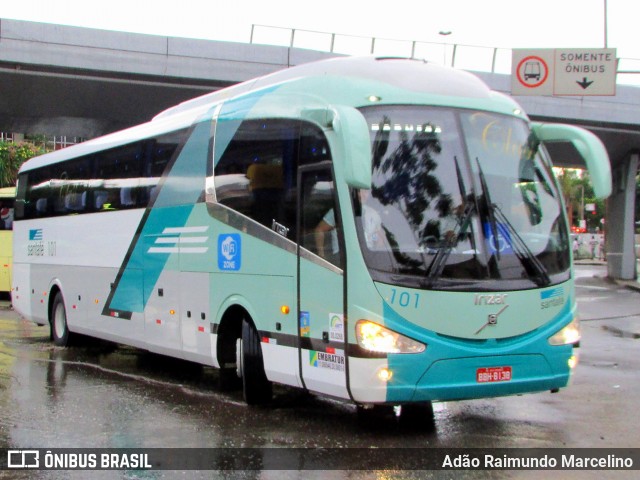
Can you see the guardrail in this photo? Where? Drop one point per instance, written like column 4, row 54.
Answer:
column 468, row 57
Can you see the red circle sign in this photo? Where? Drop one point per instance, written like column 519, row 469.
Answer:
column 532, row 68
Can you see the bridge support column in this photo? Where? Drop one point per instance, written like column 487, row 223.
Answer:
column 621, row 257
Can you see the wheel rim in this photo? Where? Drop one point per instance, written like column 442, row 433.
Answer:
column 59, row 321
column 239, row 360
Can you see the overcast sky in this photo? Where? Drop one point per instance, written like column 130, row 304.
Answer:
column 493, row 23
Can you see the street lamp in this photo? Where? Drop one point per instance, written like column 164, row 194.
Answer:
column 445, row 33
column 605, row 24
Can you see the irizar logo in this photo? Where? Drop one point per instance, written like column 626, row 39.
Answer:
column 229, row 251
column 497, row 299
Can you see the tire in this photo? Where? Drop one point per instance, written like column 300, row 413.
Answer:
column 256, row 388
column 417, row 416
column 376, row 416
column 60, row 333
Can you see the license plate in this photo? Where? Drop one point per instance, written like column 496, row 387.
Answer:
column 493, row 374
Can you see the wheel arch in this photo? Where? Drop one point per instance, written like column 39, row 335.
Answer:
column 54, row 289
column 229, row 321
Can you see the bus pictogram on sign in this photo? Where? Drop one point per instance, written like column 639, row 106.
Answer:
column 532, row 71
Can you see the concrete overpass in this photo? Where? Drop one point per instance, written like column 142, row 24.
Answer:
column 63, row 80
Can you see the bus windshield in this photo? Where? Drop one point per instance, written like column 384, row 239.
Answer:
column 460, row 200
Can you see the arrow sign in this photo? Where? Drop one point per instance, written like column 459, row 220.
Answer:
column 585, row 71
column 584, row 83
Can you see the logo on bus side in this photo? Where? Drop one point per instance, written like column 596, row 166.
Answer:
column 229, row 251
column 552, row 298
column 35, row 247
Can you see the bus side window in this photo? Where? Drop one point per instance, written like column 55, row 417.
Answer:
column 250, row 176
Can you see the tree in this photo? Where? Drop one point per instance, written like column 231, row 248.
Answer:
column 572, row 194
column 12, row 156
column 576, row 188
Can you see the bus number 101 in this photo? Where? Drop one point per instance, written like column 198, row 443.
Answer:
column 404, row 299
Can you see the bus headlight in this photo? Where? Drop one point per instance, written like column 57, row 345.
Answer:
column 568, row 335
column 377, row 338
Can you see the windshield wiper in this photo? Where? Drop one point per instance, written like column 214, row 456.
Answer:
column 523, row 252
column 489, row 206
column 527, row 258
column 437, row 264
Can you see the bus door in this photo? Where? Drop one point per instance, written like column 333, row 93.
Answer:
column 321, row 332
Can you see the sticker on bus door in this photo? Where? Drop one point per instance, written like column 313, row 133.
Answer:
column 229, row 251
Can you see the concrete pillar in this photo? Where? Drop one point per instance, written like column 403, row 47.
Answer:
column 621, row 256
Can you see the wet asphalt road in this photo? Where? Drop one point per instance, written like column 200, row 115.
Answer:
column 105, row 396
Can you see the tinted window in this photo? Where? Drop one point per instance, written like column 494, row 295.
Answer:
column 119, row 178
column 256, row 173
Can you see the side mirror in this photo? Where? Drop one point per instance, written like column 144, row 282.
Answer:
column 588, row 145
column 356, row 145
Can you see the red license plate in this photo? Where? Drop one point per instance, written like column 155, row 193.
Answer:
column 493, row 374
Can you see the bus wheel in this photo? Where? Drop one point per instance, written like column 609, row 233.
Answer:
column 372, row 416
column 60, row 333
column 417, row 415
column 256, row 388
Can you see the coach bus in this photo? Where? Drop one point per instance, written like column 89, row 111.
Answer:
column 380, row 230
column 7, row 199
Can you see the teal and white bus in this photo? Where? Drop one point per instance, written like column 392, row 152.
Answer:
column 380, row 230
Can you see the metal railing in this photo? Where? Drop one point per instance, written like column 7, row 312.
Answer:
column 468, row 57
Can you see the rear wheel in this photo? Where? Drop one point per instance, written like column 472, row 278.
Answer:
column 256, row 388
column 60, row 333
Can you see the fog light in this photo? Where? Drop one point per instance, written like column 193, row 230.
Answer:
column 385, row 374
column 573, row 361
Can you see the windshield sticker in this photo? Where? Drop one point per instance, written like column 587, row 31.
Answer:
column 498, row 240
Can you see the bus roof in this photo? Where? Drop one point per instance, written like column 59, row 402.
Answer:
column 416, row 77
column 351, row 81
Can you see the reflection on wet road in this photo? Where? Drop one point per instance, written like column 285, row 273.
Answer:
column 103, row 396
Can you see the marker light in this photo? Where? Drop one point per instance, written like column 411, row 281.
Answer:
column 285, row 309
column 377, row 338
column 570, row 334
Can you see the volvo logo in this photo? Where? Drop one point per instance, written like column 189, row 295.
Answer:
column 492, row 319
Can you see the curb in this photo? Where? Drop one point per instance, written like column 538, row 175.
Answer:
column 618, row 332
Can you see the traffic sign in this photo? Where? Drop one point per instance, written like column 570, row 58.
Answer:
column 532, row 72
column 549, row 71
column 590, row 71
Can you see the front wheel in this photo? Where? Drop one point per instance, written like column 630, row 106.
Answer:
column 256, row 388
column 418, row 416
column 60, row 333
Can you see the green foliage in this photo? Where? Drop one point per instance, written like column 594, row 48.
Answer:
column 578, row 192
column 12, row 156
